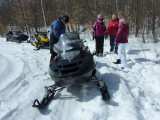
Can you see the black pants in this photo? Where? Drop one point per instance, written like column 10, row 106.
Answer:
column 53, row 55
column 99, row 44
column 53, row 40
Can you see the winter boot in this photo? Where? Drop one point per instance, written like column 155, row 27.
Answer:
column 101, row 53
column 117, row 62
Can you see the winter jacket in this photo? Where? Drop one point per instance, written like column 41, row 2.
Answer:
column 112, row 27
column 57, row 28
column 122, row 35
column 99, row 29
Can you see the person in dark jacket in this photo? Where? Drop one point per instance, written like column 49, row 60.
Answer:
column 99, row 31
column 122, row 40
column 57, row 28
column 112, row 31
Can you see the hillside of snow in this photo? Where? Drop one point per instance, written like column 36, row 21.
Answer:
column 134, row 91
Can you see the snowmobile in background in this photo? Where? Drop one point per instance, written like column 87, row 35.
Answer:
column 17, row 36
column 40, row 40
column 74, row 64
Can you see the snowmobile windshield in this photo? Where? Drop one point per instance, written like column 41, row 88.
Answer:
column 19, row 32
column 68, row 42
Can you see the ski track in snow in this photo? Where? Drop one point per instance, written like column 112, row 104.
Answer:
column 134, row 91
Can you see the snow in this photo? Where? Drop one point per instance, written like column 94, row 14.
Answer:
column 134, row 91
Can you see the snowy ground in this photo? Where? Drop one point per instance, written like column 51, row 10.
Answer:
column 134, row 91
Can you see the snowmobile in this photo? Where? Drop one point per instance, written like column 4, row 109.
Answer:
column 74, row 64
column 17, row 36
column 40, row 40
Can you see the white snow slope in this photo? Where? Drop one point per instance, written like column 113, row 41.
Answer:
column 134, row 91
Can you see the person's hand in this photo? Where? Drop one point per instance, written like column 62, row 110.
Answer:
column 93, row 37
column 105, row 37
column 115, row 43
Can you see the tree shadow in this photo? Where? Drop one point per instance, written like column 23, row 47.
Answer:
column 136, row 51
column 140, row 60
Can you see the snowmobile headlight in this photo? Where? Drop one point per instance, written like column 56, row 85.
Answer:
column 70, row 54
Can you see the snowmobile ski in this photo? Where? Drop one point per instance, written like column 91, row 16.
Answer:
column 49, row 94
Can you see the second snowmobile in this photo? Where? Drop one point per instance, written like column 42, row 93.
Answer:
column 74, row 64
column 40, row 40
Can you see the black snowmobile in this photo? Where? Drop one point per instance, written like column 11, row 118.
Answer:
column 74, row 64
column 17, row 36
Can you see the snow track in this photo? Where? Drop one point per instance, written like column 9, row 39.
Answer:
column 134, row 91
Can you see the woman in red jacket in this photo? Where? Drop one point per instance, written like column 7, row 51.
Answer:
column 112, row 31
column 121, row 40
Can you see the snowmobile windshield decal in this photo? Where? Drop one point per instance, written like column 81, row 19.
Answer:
column 70, row 55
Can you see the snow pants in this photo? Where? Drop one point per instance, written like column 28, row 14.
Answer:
column 53, row 40
column 99, row 44
column 122, row 54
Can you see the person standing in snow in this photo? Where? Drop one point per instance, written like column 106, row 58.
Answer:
column 57, row 28
column 112, row 31
column 99, row 31
column 121, row 40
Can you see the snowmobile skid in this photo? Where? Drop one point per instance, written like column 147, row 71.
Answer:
column 95, row 82
column 50, row 92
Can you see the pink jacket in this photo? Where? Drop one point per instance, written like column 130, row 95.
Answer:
column 122, row 35
column 99, row 29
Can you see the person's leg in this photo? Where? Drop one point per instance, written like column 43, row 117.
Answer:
column 111, row 43
column 115, row 49
column 53, row 55
column 101, row 44
column 97, row 45
column 119, row 55
column 124, row 61
column 119, row 51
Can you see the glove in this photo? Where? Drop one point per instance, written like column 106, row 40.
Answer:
column 105, row 37
column 93, row 38
column 115, row 43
